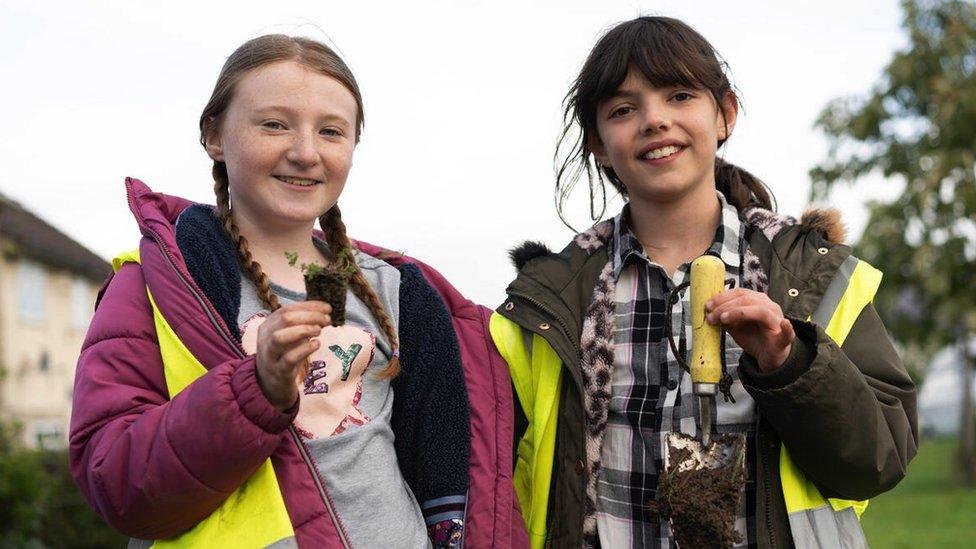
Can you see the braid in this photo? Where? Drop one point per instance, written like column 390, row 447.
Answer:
column 335, row 235
column 252, row 269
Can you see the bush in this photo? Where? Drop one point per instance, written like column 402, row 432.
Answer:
column 40, row 506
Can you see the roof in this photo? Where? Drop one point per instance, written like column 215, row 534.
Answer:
column 35, row 238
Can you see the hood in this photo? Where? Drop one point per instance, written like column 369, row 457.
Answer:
column 175, row 291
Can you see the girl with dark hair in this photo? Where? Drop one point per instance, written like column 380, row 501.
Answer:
column 815, row 386
column 216, row 407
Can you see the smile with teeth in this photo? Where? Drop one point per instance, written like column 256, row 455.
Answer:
column 300, row 181
column 661, row 152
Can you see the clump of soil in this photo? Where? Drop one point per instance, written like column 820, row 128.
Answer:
column 329, row 286
column 702, row 504
column 325, row 284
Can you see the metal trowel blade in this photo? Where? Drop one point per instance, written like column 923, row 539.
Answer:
column 687, row 453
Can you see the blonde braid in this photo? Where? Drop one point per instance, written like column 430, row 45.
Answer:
column 252, row 269
column 335, row 236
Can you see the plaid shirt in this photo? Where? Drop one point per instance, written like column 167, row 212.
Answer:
column 652, row 395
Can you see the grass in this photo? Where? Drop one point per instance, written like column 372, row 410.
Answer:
column 928, row 508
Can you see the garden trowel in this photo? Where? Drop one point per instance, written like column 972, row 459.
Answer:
column 695, row 462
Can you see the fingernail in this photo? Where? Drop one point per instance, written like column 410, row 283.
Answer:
column 725, row 317
column 709, row 304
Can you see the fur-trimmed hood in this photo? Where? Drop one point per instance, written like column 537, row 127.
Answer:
column 828, row 222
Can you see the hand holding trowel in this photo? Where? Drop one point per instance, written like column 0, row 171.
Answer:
column 700, row 488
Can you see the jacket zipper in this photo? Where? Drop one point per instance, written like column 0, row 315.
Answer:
column 768, row 491
column 236, row 347
column 551, row 530
column 551, row 315
column 320, row 484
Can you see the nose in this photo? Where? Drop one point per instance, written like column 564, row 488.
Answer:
column 656, row 119
column 302, row 151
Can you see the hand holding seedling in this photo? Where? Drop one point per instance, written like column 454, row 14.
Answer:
column 285, row 341
column 756, row 323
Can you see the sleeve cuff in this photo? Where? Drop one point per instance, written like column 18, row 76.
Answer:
column 444, row 517
column 254, row 404
column 802, row 354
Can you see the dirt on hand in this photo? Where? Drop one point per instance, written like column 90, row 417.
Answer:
column 701, row 504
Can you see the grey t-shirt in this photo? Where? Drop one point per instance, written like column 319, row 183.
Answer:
column 344, row 416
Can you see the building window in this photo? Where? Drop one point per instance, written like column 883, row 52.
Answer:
column 45, row 364
column 31, row 297
column 49, row 434
column 81, row 303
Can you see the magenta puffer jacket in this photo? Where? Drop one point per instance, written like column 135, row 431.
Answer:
column 154, row 467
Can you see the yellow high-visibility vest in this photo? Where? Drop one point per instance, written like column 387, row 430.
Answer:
column 537, row 376
column 254, row 515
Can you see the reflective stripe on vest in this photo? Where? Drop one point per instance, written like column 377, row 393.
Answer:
column 537, row 375
column 815, row 521
column 255, row 514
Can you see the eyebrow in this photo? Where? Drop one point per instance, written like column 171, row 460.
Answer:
column 627, row 93
column 281, row 108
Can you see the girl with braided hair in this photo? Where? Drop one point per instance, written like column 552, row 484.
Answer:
column 216, row 406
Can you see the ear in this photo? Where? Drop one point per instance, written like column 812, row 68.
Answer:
column 212, row 142
column 726, row 115
column 595, row 145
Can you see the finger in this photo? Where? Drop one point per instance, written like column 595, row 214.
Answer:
column 322, row 306
column 299, row 317
column 742, row 300
column 750, row 314
column 729, row 295
column 296, row 356
column 746, row 297
column 288, row 337
column 310, row 305
column 787, row 333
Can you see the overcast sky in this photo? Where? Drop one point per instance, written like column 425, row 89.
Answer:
column 462, row 107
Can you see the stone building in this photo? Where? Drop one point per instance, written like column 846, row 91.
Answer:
column 48, row 285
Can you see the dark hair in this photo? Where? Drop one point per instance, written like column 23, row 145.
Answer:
column 318, row 57
column 667, row 52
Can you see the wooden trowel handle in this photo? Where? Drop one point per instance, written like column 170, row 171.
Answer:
column 707, row 280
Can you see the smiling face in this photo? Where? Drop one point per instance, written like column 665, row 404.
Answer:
column 661, row 142
column 287, row 139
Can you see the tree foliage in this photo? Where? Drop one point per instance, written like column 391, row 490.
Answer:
column 917, row 128
column 40, row 506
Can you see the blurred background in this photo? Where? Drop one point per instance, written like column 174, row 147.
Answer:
column 869, row 107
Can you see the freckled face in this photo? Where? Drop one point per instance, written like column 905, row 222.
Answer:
column 661, row 142
column 287, row 139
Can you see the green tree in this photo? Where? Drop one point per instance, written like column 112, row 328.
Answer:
column 917, row 127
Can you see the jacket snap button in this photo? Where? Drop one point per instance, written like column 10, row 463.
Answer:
column 579, row 467
column 509, row 306
column 544, row 326
column 822, row 251
column 793, row 292
column 672, row 384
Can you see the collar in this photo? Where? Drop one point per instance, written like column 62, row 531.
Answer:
column 725, row 245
